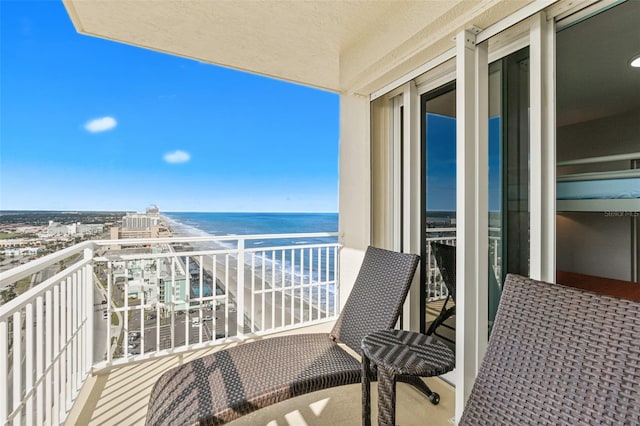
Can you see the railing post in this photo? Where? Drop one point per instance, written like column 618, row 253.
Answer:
column 109, row 301
column 17, row 367
column 240, row 290
column 55, row 410
column 29, row 358
column 39, row 359
column 336, row 280
column 89, row 335
column 4, row 371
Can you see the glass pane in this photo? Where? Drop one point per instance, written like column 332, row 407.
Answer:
column 495, row 188
column 508, row 172
column 598, row 150
column 516, row 249
column 439, row 207
column 508, row 190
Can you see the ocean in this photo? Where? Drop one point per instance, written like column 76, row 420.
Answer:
column 218, row 224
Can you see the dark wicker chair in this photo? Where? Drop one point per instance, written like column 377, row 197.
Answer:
column 225, row 385
column 559, row 356
column 446, row 260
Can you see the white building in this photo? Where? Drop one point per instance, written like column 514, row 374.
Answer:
column 58, row 229
column 22, row 251
column 139, row 221
column 89, row 228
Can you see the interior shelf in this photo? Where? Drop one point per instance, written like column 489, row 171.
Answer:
column 597, row 191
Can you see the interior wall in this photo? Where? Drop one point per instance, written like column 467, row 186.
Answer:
column 595, row 244
column 598, row 243
column 612, row 135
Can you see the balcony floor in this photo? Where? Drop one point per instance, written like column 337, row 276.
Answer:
column 448, row 329
column 121, row 396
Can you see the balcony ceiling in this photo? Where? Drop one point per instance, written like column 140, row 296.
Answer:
column 342, row 46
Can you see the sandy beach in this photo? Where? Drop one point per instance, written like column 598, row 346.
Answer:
column 267, row 306
column 272, row 306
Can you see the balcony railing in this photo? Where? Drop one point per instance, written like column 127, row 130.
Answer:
column 110, row 303
column 436, row 290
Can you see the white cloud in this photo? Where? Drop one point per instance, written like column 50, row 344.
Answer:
column 101, row 124
column 176, row 157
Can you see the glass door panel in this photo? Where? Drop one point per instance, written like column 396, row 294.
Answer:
column 515, row 251
column 495, row 188
column 438, row 112
column 598, row 151
column 508, row 191
column 508, row 172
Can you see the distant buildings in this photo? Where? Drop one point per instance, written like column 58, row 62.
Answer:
column 152, row 281
column 141, row 225
column 16, row 242
column 22, row 251
column 140, row 221
column 56, row 229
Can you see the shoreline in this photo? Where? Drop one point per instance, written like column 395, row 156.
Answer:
column 272, row 307
column 267, row 304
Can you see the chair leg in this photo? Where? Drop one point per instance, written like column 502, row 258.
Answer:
column 386, row 398
column 442, row 316
column 366, row 391
column 441, row 323
column 421, row 386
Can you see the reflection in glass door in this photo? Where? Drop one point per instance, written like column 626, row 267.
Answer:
column 508, row 157
column 495, row 188
column 438, row 112
column 508, row 172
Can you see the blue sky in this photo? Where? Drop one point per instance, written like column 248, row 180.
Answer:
column 89, row 124
column 441, row 163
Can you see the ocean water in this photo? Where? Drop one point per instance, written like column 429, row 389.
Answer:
column 218, row 224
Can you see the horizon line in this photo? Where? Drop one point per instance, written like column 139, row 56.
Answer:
column 160, row 212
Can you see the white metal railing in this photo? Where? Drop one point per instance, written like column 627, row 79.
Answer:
column 122, row 301
column 436, row 289
column 45, row 336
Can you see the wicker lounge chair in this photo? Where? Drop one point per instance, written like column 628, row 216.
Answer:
column 225, row 385
column 446, row 260
column 559, row 355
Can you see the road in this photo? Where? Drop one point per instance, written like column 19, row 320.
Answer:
column 100, row 324
column 183, row 325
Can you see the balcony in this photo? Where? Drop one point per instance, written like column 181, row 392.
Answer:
column 87, row 343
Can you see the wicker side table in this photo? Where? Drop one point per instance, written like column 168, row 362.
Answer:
column 399, row 353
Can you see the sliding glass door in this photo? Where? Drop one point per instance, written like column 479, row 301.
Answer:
column 509, row 175
column 438, row 112
column 508, row 158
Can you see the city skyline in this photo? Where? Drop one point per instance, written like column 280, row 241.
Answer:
column 93, row 125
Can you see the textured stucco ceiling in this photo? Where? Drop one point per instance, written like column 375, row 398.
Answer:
column 354, row 46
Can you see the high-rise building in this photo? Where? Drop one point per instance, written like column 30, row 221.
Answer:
column 139, row 221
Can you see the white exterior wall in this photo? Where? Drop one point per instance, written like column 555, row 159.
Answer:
column 55, row 228
column 354, row 196
column 139, row 221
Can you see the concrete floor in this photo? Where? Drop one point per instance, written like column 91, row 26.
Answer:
column 342, row 406
column 120, row 397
